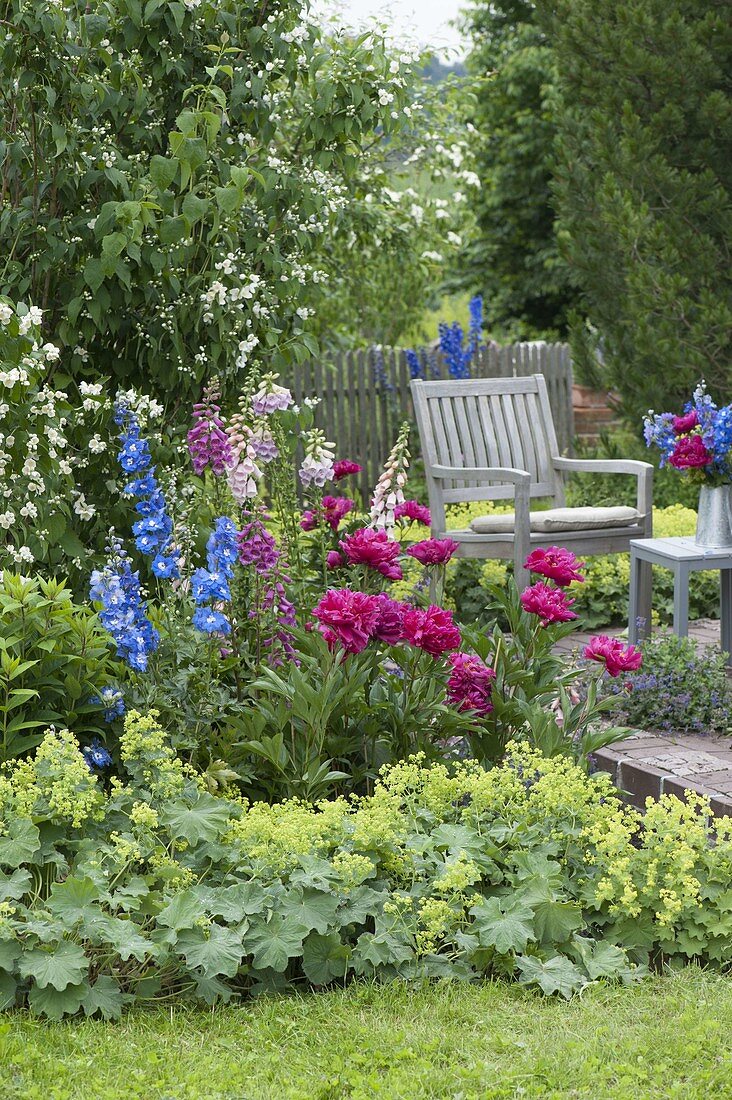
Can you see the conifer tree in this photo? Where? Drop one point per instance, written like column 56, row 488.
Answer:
column 643, row 171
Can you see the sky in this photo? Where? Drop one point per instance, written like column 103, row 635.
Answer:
column 425, row 21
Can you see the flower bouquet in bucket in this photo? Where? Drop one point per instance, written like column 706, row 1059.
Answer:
column 699, row 443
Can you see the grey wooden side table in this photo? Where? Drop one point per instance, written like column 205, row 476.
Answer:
column 683, row 557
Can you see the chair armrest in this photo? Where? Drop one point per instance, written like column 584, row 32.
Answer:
column 643, row 471
column 602, row 465
column 482, row 473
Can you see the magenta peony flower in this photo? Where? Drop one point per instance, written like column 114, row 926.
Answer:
column 347, row 618
column 552, row 605
column 375, row 550
column 690, row 453
column 432, row 630
column 414, row 511
column 389, row 625
column 335, row 509
column 470, row 683
column 682, row 424
column 333, row 559
column 616, row 657
column 433, row 551
column 557, row 564
column 344, row 468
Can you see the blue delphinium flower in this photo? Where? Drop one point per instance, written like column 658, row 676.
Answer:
column 210, row 621
column 113, row 700
column 96, row 755
column 459, row 359
column 212, row 585
column 153, row 531
column 378, row 367
column 416, row 366
column 123, row 612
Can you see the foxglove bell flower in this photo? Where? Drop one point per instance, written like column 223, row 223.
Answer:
column 270, row 397
column 208, row 443
column 317, row 466
column 389, row 491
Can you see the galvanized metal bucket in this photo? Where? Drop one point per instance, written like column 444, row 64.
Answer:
column 714, row 520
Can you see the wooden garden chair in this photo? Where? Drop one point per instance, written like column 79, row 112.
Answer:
column 494, row 439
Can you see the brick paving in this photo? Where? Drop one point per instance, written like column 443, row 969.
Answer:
column 651, row 764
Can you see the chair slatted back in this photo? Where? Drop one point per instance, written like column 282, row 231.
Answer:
column 487, row 422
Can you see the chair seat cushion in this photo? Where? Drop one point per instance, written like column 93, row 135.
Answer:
column 559, row 519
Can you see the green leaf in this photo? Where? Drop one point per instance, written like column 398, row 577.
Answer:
column 12, row 887
column 106, row 998
column 206, row 819
column 274, row 942
column 71, row 900
column 211, row 989
column 380, row 950
column 216, row 950
column 8, row 988
column 555, row 921
column 56, row 1003
column 10, row 952
column 557, row 975
column 113, row 244
column 183, row 911
column 325, row 958
column 20, row 843
column 234, row 902
column 163, row 171
column 312, row 909
column 93, row 273
column 505, row 925
column 63, row 963
column 194, row 208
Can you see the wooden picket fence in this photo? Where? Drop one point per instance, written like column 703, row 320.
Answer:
column 365, row 395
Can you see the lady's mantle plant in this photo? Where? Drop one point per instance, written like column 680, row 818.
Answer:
column 155, row 889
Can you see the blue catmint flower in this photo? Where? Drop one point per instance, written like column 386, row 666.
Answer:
column 96, row 755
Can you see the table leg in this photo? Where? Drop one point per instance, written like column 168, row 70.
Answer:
column 681, row 601
column 645, row 592
column 639, row 603
column 633, row 598
column 725, row 612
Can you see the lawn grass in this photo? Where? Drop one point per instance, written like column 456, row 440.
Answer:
column 667, row 1037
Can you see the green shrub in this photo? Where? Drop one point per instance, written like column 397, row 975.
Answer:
column 158, row 889
column 678, row 688
column 54, row 660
